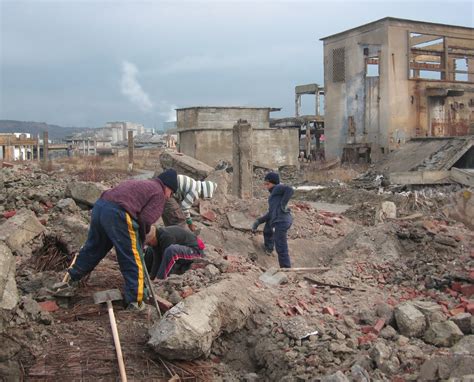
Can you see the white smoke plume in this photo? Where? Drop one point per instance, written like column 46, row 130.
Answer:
column 132, row 89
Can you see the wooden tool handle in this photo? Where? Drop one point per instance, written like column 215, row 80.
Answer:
column 118, row 348
column 66, row 276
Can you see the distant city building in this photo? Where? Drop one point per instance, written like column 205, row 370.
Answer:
column 18, row 146
column 118, row 131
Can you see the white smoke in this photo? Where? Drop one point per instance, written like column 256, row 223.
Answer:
column 132, row 89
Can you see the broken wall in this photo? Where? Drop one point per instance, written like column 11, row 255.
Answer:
column 366, row 76
column 205, row 133
column 271, row 147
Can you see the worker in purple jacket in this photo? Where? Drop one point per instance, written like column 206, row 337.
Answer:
column 122, row 217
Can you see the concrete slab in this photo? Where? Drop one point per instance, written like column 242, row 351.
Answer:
column 185, row 165
column 427, row 154
column 463, row 176
column 330, row 207
column 239, row 220
column 420, row 177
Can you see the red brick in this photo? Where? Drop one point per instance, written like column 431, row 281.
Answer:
column 445, row 309
column 280, row 303
column 456, row 311
column 303, row 305
column 366, row 339
column 470, row 308
column 9, row 214
column 366, row 329
column 313, row 290
column 379, row 325
column 329, row 310
column 444, row 303
column 48, row 306
column 7, row 165
column 452, row 293
column 328, row 222
column 456, row 286
column 467, row 290
column 290, row 312
column 298, row 310
column 163, row 304
column 392, row 301
column 232, row 258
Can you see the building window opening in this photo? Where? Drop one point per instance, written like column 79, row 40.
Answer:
column 434, row 57
column 372, row 67
column 338, row 65
column 461, row 69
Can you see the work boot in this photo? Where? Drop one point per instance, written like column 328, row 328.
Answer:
column 67, row 289
column 136, row 307
column 268, row 251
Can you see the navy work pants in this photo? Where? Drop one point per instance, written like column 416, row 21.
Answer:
column 276, row 236
column 111, row 226
column 176, row 253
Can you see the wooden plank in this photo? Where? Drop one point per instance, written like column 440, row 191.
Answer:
column 420, row 177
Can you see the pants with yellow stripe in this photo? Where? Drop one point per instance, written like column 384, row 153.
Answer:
column 111, row 226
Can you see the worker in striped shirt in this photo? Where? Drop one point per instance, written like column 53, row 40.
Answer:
column 177, row 209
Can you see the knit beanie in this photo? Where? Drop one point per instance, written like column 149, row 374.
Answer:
column 272, row 177
column 169, row 179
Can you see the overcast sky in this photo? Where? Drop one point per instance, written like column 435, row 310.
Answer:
column 83, row 63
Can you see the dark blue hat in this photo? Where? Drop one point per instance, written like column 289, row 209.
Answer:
column 169, row 179
column 272, row 177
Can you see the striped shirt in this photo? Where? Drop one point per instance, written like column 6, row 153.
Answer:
column 189, row 190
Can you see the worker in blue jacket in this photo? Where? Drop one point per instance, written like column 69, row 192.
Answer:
column 277, row 220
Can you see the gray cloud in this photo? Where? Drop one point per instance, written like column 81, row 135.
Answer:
column 63, row 61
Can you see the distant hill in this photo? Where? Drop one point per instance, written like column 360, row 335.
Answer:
column 34, row 128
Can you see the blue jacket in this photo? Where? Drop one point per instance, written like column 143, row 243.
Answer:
column 278, row 212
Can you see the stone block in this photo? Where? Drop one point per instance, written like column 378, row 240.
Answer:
column 85, row 192
column 20, row 229
column 463, row 322
column 410, row 321
column 443, row 334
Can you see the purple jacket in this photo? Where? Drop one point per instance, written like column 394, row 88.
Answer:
column 144, row 200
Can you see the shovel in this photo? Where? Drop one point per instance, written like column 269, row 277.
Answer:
column 108, row 296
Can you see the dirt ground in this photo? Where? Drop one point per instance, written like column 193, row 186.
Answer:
column 339, row 318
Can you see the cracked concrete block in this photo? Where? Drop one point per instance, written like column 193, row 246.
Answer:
column 8, row 289
column 410, row 321
column 444, row 334
column 85, row 192
column 188, row 329
column 20, row 229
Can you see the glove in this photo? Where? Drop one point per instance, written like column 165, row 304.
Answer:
column 192, row 227
column 255, row 226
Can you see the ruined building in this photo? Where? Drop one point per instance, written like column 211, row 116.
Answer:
column 205, row 133
column 393, row 79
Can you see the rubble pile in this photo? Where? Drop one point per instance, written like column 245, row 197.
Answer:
column 380, row 290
